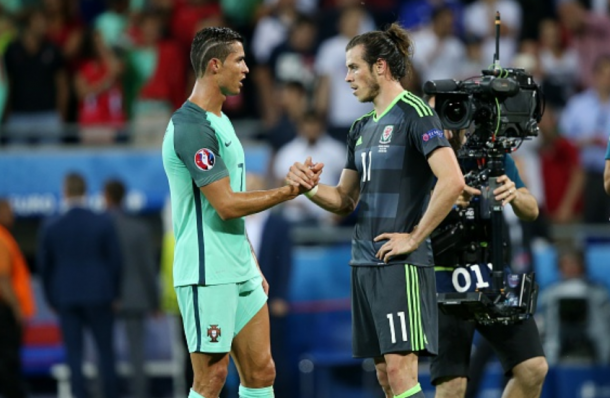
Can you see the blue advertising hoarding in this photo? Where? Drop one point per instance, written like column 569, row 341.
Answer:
column 32, row 179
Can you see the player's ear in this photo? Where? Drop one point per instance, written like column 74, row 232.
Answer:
column 380, row 66
column 214, row 65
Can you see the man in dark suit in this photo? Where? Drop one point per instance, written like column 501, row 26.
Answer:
column 139, row 287
column 80, row 264
column 269, row 234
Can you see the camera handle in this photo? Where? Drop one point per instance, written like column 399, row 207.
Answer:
column 495, row 163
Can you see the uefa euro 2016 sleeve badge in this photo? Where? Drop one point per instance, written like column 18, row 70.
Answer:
column 214, row 333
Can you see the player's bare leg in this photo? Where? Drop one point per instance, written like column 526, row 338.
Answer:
column 399, row 371
column 451, row 388
column 382, row 377
column 527, row 379
column 251, row 351
column 209, row 373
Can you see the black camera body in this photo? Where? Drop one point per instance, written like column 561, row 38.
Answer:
column 499, row 109
column 504, row 106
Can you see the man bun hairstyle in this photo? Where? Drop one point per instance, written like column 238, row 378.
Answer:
column 392, row 45
column 212, row 42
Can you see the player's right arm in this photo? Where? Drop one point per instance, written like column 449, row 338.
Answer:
column 230, row 204
column 341, row 199
column 210, row 174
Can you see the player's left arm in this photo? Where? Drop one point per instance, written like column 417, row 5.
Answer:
column 512, row 190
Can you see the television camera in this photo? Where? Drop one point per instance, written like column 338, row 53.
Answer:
column 499, row 110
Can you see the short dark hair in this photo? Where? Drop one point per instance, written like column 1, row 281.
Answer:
column 392, row 45
column 115, row 191
column 75, row 185
column 212, row 42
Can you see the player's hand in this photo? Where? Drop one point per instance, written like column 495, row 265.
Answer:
column 464, row 199
column 305, row 175
column 396, row 244
column 507, row 191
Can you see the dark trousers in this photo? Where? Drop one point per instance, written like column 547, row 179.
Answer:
column 11, row 378
column 135, row 332
column 596, row 202
column 99, row 320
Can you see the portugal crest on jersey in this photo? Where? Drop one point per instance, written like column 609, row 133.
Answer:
column 204, row 159
column 214, row 333
column 386, row 136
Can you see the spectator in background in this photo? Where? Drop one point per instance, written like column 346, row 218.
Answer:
column 139, row 288
column 417, row 14
column 474, row 60
column 16, row 306
column 576, row 315
column 328, row 19
column 8, row 32
column 479, row 20
column 100, row 95
column 80, row 266
column 269, row 234
column 607, row 170
column 64, row 29
column 334, row 98
column 112, row 24
column 186, row 18
column 38, row 85
column 437, row 50
column 292, row 60
column 154, row 80
column 292, row 105
column 563, row 176
column 586, row 122
column 558, row 64
column 589, row 34
column 240, row 13
column 311, row 139
column 272, row 29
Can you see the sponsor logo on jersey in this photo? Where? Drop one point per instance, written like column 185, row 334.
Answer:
column 386, row 136
column 228, row 143
column 214, row 333
column 205, row 159
column 432, row 134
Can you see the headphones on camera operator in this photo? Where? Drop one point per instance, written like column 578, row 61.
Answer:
column 496, row 112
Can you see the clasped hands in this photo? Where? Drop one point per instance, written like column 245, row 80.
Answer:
column 304, row 176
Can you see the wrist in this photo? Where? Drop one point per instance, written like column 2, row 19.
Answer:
column 312, row 192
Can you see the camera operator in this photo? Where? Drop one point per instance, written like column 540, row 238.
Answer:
column 518, row 345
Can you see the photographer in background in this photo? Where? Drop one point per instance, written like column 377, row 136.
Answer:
column 518, row 346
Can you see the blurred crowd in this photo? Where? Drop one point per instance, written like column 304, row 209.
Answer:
column 106, row 72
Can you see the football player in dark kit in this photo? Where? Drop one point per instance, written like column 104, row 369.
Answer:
column 394, row 154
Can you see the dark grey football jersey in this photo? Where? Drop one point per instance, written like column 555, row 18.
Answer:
column 390, row 153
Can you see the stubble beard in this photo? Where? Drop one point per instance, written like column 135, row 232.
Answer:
column 373, row 90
